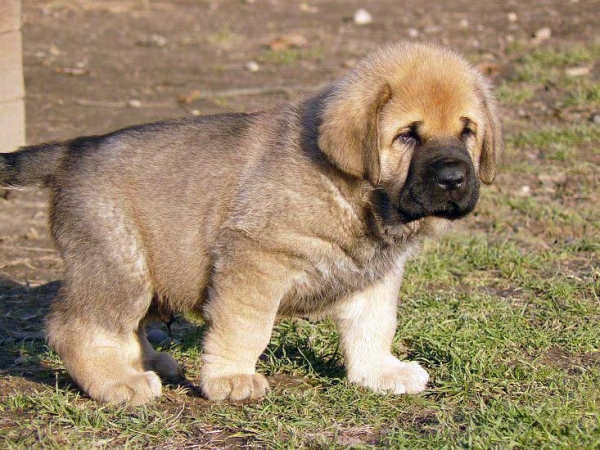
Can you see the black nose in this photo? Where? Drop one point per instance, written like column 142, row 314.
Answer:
column 451, row 176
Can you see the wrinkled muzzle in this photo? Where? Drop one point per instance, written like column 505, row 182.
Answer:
column 441, row 182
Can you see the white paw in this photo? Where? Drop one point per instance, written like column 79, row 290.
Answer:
column 134, row 389
column 392, row 375
column 235, row 387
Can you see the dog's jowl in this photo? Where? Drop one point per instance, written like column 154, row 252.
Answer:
column 308, row 209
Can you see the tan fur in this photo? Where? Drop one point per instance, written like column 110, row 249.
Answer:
column 307, row 209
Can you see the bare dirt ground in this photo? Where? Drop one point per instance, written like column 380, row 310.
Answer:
column 95, row 66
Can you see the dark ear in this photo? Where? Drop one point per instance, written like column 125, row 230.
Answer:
column 493, row 145
column 349, row 130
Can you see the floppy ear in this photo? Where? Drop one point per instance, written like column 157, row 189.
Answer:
column 349, row 129
column 493, row 144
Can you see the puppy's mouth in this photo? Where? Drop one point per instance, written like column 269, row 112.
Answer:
column 451, row 210
column 440, row 184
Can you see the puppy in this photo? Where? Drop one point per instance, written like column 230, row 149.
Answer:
column 306, row 209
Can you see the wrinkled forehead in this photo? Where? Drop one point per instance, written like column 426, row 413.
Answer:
column 438, row 99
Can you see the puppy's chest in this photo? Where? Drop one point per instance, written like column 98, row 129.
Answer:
column 330, row 276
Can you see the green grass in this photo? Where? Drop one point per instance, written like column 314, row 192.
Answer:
column 546, row 65
column 509, row 336
column 567, row 57
column 514, row 95
column 561, row 144
column 582, row 92
column 550, row 136
column 540, row 74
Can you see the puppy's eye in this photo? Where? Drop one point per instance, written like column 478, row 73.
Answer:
column 467, row 133
column 410, row 138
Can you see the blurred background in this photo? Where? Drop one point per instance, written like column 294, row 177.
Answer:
column 92, row 66
column 503, row 312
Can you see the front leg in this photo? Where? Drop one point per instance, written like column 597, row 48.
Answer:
column 241, row 312
column 367, row 324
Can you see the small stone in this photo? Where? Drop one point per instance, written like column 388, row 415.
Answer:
column 596, row 119
column 158, row 40
column 581, row 71
column 134, row 103
column 195, row 112
column 413, row 32
column 525, row 190
column 157, row 336
column 512, row 16
column 252, row 66
column 542, row 34
column 362, row 17
column 464, row 23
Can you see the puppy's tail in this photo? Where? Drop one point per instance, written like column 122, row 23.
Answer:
column 32, row 166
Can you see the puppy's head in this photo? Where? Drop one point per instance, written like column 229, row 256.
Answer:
column 419, row 123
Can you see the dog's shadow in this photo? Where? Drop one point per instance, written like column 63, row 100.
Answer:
column 23, row 350
column 24, row 353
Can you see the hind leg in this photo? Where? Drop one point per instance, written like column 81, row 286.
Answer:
column 107, row 362
column 95, row 320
